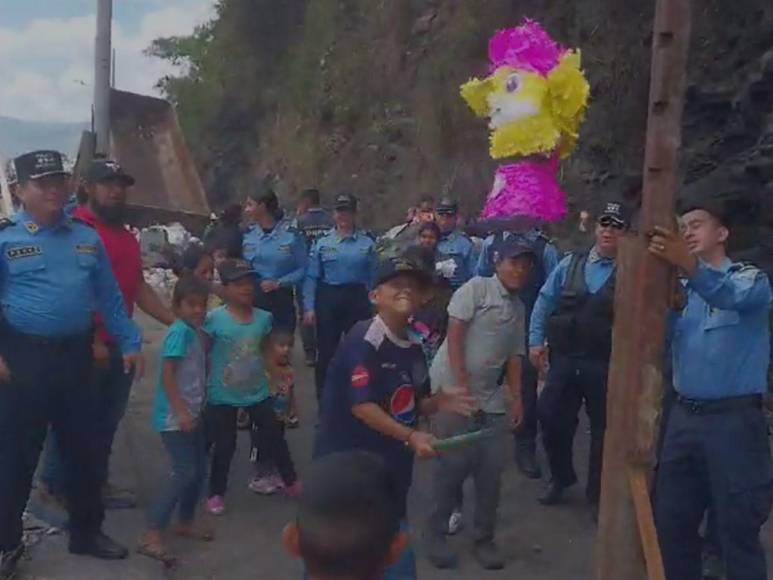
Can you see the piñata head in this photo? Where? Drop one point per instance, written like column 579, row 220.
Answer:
column 535, row 97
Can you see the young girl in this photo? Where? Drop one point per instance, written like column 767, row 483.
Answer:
column 282, row 385
column 238, row 380
column 179, row 399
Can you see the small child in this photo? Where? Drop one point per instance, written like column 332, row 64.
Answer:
column 180, row 394
column 282, row 386
column 348, row 522
column 238, row 380
column 198, row 261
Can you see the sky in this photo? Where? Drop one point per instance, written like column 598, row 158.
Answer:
column 47, row 51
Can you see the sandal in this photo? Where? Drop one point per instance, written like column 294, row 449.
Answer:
column 195, row 532
column 155, row 551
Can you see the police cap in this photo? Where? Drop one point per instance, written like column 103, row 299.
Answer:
column 38, row 164
column 447, row 206
column 345, row 202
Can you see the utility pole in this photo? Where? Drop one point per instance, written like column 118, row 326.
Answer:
column 102, row 65
column 627, row 541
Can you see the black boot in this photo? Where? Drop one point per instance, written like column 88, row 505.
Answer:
column 99, row 546
column 554, row 494
column 526, row 459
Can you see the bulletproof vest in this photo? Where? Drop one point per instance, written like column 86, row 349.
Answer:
column 529, row 293
column 315, row 224
column 581, row 324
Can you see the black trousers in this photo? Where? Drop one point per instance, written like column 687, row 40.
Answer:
column 281, row 304
column 527, row 432
column 719, row 462
column 338, row 308
column 572, row 381
column 220, row 423
column 51, row 383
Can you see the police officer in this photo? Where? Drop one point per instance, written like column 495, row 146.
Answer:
column 341, row 272
column 313, row 222
column 715, row 452
column 278, row 255
column 548, row 257
column 573, row 315
column 454, row 244
column 54, row 275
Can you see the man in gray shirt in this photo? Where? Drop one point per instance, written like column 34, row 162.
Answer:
column 486, row 333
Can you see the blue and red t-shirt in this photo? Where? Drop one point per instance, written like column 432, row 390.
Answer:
column 372, row 365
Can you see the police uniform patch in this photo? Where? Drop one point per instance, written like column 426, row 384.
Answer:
column 32, row 227
column 86, row 248
column 23, row 252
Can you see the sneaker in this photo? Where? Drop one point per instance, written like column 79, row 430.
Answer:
column 9, row 561
column 294, row 491
column 439, row 553
column 488, row 556
column 455, row 523
column 216, row 505
column 277, row 480
column 263, row 485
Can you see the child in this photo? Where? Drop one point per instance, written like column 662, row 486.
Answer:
column 486, row 333
column 377, row 386
column 238, row 380
column 198, row 261
column 282, row 386
column 179, row 399
column 348, row 523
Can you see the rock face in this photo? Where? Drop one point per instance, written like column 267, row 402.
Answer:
column 363, row 96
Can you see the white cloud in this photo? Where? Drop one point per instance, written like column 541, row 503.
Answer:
column 47, row 66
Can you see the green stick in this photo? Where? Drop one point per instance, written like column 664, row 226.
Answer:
column 462, row 440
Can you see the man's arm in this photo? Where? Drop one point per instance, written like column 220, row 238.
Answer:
column 513, row 374
column 740, row 290
column 150, row 303
column 546, row 303
column 311, row 279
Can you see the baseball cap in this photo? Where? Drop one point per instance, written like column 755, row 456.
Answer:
column 233, row 270
column 617, row 212
column 407, row 263
column 38, row 164
column 345, row 202
column 511, row 247
column 447, row 206
column 107, row 170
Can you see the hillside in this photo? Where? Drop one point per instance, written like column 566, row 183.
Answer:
column 18, row 136
column 362, row 95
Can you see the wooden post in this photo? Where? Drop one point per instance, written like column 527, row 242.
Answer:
column 626, row 528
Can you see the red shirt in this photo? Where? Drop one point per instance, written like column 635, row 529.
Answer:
column 123, row 251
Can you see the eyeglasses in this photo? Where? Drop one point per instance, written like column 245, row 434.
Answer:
column 610, row 222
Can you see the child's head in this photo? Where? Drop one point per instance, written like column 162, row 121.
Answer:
column 198, row 261
column 403, row 284
column 190, row 299
column 281, row 344
column 238, row 281
column 348, row 524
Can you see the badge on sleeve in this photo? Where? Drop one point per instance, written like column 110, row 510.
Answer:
column 360, row 377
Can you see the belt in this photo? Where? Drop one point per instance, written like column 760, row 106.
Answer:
column 48, row 342
column 716, row 406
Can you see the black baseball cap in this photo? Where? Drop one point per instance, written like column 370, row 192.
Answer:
column 617, row 211
column 511, row 247
column 408, row 263
column 107, row 170
column 447, row 206
column 38, row 164
column 345, row 202
column 233, row 270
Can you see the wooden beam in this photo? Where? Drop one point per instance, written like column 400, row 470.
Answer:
column 635, row 378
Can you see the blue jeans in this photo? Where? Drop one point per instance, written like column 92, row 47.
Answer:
column 188, row 456
column 405, row 567
column 113, row 387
